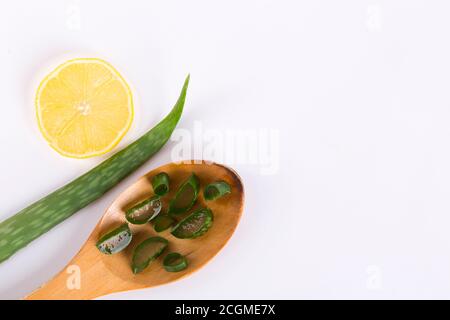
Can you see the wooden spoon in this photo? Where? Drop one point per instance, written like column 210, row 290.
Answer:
column 92, row 274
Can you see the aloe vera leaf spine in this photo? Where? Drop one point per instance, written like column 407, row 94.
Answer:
column 33, row 221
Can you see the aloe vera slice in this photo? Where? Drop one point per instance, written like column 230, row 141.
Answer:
column 216, row 190
column 175, row 262
column 146, row 252
column 116, row 240
column 160, row 183
column 144, row 211
column 186, row 196
column 30, row 223
column 163, row 222
column 194, row 225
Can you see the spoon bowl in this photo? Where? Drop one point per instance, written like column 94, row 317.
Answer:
column 92, row 274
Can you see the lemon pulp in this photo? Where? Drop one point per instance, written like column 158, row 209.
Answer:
column 84, row 108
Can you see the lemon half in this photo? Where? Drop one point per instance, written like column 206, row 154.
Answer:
column 84, row 108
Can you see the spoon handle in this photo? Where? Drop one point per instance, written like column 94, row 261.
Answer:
column 85, row 277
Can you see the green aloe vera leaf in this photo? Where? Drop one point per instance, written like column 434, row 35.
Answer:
column 175, row 262
column 216, row 190
column 144, row 211
column 194, row 225
column 146, row 252
column 160, row 183
column 186, row 196
column 33, row 221
column 115, row 240
column 163, row 222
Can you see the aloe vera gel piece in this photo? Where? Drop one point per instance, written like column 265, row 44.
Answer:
column 216, row 190
column 163, row 222
column 194, row 225
column 115, row 240
column 144, row 211
column 186, row 196
column 160, row 183
column 146, row 252
column 175, row 262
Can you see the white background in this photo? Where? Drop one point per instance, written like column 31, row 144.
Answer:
column 357, row 90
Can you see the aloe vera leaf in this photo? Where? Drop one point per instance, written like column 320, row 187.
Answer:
column 160, row 183
column 144, row 211
column 115, row 240
column 163, row 222
column 33, row 221
column 175, row 262
column 216, row 190
column 194, row 225
column 186, row 196
column 146, row 252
